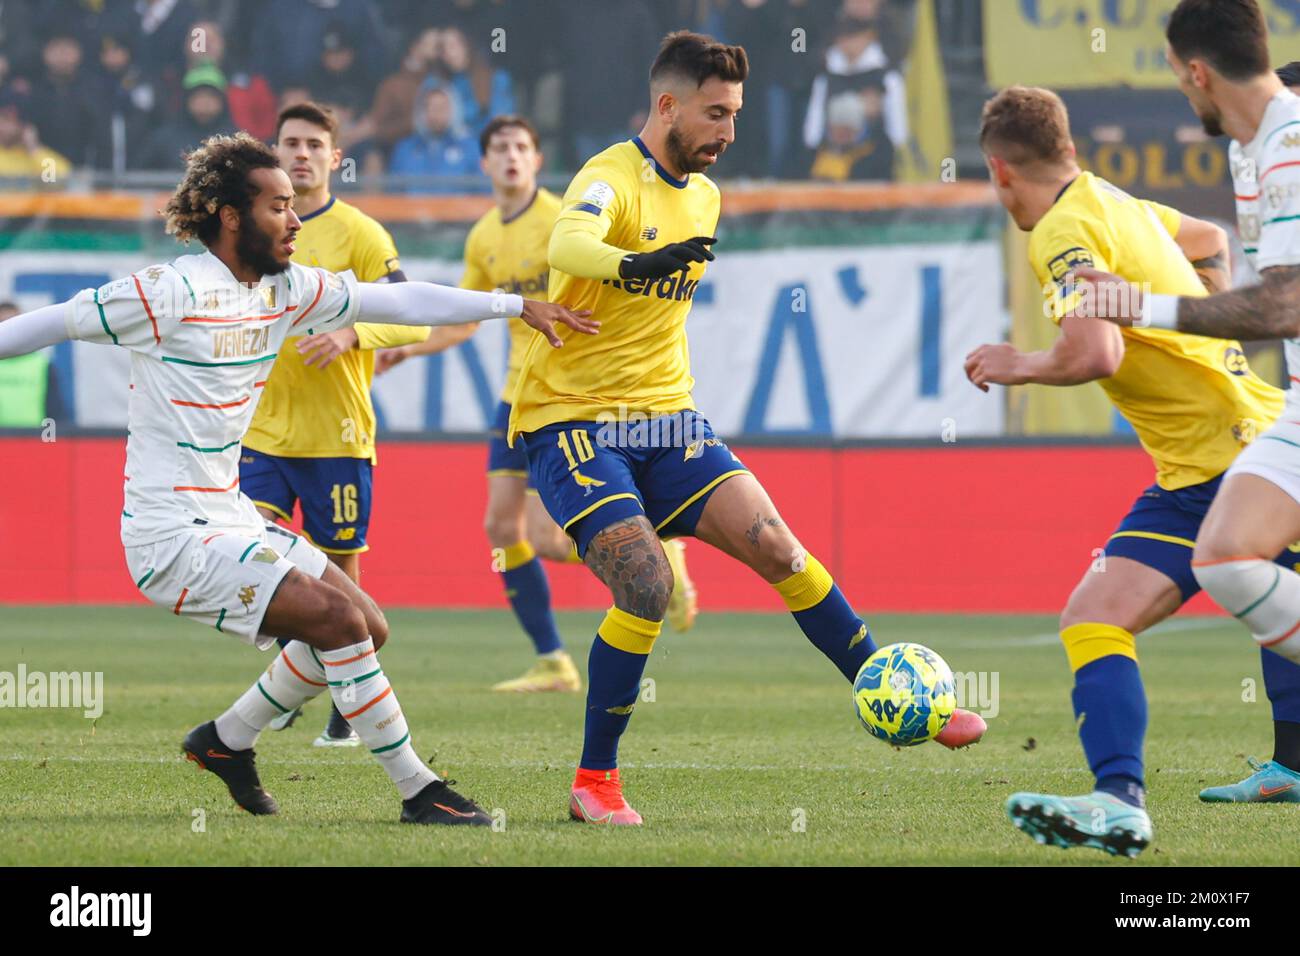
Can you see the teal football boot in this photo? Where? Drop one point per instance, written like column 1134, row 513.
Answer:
column 1270, row 783
column 1099, row 820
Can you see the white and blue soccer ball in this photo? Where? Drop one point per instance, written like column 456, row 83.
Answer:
column 904, row 694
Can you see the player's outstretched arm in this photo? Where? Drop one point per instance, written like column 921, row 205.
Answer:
column 1084, row 352
column 33, row 331
column 1269, row 310
column 578, row 247
column 426, row 303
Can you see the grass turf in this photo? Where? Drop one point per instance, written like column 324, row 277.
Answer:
column 748, row 754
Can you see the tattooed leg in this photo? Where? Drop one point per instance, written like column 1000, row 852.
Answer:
column 629, row 558
column 740, row 520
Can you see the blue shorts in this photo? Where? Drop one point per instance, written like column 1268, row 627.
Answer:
column 590, row 475
column 335, row 495
column 502, row 459
column 1160, row 531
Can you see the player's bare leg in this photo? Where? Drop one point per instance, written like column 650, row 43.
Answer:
column 741, row 520
column 1251, row 520
column 517, row 556
column 629, row 559
column 1113, row 602
column 334, row 630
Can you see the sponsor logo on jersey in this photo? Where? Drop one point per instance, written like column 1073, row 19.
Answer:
column 529, row 285
column 1234, row 360
column 266, row 556
column 1291, row 140
column 1276, row 196
column 649, row 233
column 247, row 595
column 1069, row 260
column 154, row 274
column 696, row 448
column 240, row 343
column 676, row 287
column 1245, row 431
column 268, row 296
column 1249, row 228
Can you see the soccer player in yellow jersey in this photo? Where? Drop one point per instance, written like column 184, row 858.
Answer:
column 615, row 446
column 1194, row 403
column 506, row 249
column 312, row 440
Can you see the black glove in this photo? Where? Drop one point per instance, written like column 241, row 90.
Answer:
column 666, row 261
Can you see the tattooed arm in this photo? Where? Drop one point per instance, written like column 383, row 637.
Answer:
column 1270, row 310
column 1206, row 247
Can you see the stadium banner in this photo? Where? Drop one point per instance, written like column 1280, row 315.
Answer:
column 948, row 528
column 831, row 313
column 1069, row 44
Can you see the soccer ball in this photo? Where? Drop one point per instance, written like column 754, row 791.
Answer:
column 904, row 694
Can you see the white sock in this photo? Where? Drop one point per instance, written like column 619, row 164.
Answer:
column 1262, row 595
column 294, row 677
column 363, row 695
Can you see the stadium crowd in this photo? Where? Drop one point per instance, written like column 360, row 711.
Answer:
column 123, row 85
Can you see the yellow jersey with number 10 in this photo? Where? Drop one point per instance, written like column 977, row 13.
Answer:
column 510, row 254
column 639, row 361
column 1194, row 402
column 327, row 413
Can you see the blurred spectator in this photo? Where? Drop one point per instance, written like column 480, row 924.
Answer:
column 394, row 106
column 205, row 115
column 606, row 47
column 480, row 90
column 292, row 96
column 857, row 64
column 125, row 105
column 288, row 35
column 340, row 79
column 19, row 39
column 249, row 96
column 21, row 154
column 29, row 386
column 439, row 147
column 161, row 29
column 63, row 100
column 856, row 146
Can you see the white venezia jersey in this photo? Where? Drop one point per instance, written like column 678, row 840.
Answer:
column 202, row 345
column 1266, row 180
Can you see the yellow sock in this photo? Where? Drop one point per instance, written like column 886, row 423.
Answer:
column 1085, row 643
column 629, row 633
column 516, row 555
column 806, row 588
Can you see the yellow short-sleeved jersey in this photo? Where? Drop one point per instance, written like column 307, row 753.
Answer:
column 1194, row 402
column 639, row 361
column 510, row 254
column 327, row 413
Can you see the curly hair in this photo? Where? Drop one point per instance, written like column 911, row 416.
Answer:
column 216, row 175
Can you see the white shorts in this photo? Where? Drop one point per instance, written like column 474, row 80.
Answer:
column 1274, row 456
column 224, row 579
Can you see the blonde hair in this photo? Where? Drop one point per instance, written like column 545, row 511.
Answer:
column 1026, row 125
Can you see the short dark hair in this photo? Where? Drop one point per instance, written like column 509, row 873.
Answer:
column 216, row 174
column 506, row 121
column 697, row 57
column 1230, row 35
column 318, row 114
column 1290, row 74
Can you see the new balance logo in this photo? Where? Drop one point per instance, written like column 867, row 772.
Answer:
column 649, row 233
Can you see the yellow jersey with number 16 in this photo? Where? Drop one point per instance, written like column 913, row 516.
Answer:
column 639, row 361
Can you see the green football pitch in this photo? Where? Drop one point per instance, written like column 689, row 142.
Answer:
column 744, row 750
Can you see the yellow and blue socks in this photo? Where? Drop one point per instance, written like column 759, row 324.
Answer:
column 363, row 695
column 826, row 618
column 292, row 679
column 614, row 668
column 1110, row 706
column 529, row 594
